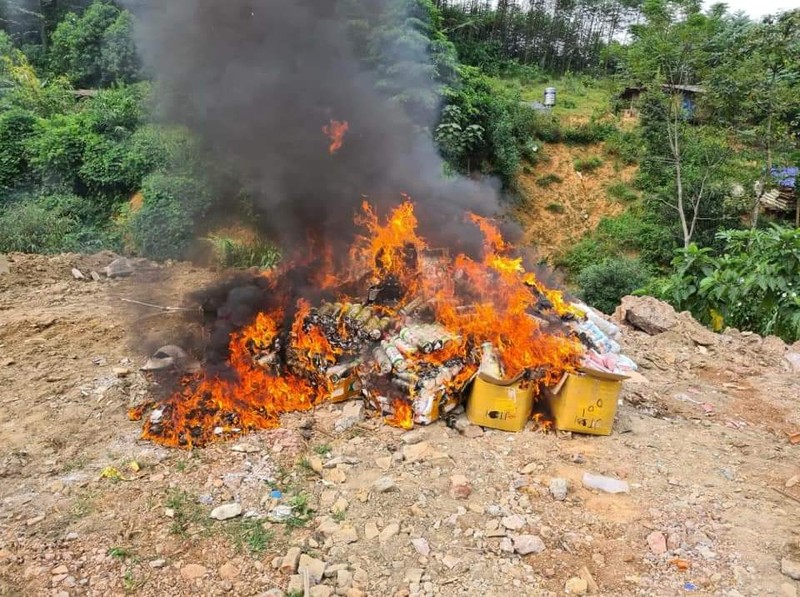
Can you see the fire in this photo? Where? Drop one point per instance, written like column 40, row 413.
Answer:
column 414, row 338
column 335, row 131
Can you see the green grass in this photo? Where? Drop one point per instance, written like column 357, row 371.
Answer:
column 187, row 512
column 249, row 535
column 301, row 511
column 234, row 253
column 575, row 98
column 120, row 553
column 555, row 208
column 339, row 515
column 549, row 180
column 323, row 449
column 619, row 191
column 588, row 164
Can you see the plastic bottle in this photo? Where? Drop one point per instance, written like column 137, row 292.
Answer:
column 606, row 484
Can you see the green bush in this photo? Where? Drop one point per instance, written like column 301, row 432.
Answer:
column 117, row 112
column 16, row 126
column 56, row 150
column 234, row 253
column 549, row 180
column 621, row 192
column 625, row 146
column 30, row 227
column 555, row 208
column 588, row 133
column 603, row 285
column 589, row 164
column 752, row 284
column 164, row 226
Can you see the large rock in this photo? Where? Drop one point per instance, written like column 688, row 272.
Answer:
column 119, row 268
column 647, row 314
column 790, row 568
column 526, row 544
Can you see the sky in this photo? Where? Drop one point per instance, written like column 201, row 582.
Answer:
column 758, row 8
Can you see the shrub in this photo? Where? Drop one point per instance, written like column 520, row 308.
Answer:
column 621, row 192
column 753, row 284
column 164, row 226
column 234, row 253
column 29, row 227
column 555, row 208
column 16, row 126
column 603, row 285
column 548, row 180
column 589, row 164
column 627, row 146
column 56, row 150
column 588, row 133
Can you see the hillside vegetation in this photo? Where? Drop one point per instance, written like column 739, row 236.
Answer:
column 666, row 202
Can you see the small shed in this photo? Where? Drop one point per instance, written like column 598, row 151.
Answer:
column 689, row 94
column 782, row 197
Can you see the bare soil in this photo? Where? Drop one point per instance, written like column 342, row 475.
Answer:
column 701, row 438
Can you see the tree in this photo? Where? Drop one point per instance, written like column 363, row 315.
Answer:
column 96, row 48
column 753, row 88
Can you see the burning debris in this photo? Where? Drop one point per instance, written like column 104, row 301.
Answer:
column 401, row 325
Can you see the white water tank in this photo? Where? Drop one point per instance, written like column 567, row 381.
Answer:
column 550, row 97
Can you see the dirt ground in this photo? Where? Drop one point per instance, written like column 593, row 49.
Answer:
column 559, row 215
column 702, row 439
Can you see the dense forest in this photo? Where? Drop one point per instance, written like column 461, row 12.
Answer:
column 87, row 160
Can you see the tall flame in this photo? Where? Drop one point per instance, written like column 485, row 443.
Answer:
column 274, row 368
column 335, row 131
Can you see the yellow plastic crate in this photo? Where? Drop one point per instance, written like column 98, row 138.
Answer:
column 586, row 402
column 505, row 405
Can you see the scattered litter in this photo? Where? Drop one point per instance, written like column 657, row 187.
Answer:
column 605, row 484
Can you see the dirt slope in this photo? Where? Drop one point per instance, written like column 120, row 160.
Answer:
column 705, row 456
column 580, row 198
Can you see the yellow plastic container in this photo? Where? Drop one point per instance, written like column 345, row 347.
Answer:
column 500, row 404
column 586, row 402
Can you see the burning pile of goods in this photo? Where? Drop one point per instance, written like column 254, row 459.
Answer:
column 405, row 327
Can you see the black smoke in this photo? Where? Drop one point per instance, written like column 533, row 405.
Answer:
column 258, row 79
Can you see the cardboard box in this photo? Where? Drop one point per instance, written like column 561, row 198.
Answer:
column 346, row 389
column 586, row 402
column 501, row 404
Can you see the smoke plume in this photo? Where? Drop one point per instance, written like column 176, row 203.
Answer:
column 258, row 79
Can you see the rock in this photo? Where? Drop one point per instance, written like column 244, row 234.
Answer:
column 790, row 568
column 315, row 462
column 657, row 542
column 421, row 546
column 673, row 541
column 228, row 571
column 315, row 568
column 345, row 535
column 371, row 530
column 119, row 268
column 413, row 575
column 344, row 578
column 193, row 571
column 166, row 357
column 155, row 564
column 514, row 522
column 95, row 276
column 320, row 591
column 792, row 481
column 590, row 582
column 450, row 561
column 226, row 511
column 506, row 545
column 340, row 506
column 576, row 586
column 352, row 414
column 121, row 371
column 414, row 436
column 76, row 273
column 290, row 561
column 384, row 484
column 462, row 423
column 792, row 361
column 296, row 585
column 472, row 432
column 384, row 463
column 416, row 452
column 558, row 489
column 647, row 314
column 526, row 544
column 4, row 267
column 245, row 448
column 62, row 569
column 389, row 531
column 328, row 527
column 334, row 475
column 460, row 488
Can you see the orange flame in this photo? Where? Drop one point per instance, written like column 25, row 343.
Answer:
column 335, row 132
column 275, row 368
